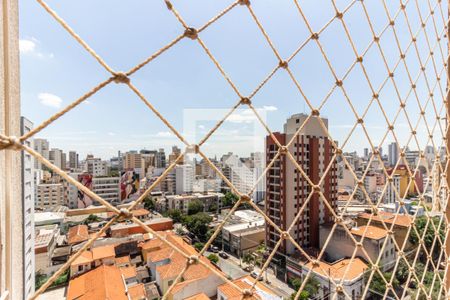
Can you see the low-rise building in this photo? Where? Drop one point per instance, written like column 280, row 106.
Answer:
column 210, row 201
column 165, row 265
column 401, row 224
column 227, row 291
column 124, row 229
column 77, row 234
column 45, row 243
column 341, row 245
column 49, row 195
column 347, row 272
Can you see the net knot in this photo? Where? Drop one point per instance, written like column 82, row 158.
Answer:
column 391, row 127
column 315, row 36
column 359, row 244
column 359, row 59
column 125, row 214
column 391, row 74
column 283, row 150
column 246, row 101
column 193, row 148
column 285, row 235
column 413, row 132
column 283, row 64
column 338, row 151
column 169, row 5
column 191, row 33
column 245, row 198
column 11, row 143
column 244, row 2
column 339, row 82
column 392, row 23
column 360, row 120
column 315, row 112
column 339, row 15
column 121, row 77
column 376, row 39
column 339, row 288
column 192, row 260
column 316, row 188
column 247, row 293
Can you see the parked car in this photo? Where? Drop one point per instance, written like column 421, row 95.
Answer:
column 214, row 249
column 223, row 255
column 255, row 275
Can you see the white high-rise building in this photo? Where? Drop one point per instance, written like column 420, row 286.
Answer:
column 41, row 146
column 57, row 157
column 108, row 188
column 184, row 177
column 49, row 196
column 73, row 160
column 392, row 154
column 28, row 212
column 95, row 166
column 390, row 196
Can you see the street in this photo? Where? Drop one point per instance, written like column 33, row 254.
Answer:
column 232, row 268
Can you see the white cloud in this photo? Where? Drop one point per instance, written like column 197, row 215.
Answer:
column 270, row 108
column 242, row 116
column 50, row 100
column 164, row 134
column 27, row 46
column 111, row 134
column 201, row 127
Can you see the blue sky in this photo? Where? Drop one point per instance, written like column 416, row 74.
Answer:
column 55, row 70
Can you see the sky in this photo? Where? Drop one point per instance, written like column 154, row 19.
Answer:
column 190, row 92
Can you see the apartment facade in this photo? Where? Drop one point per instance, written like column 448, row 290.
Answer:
column 28, row 195
column 108, row 188
column 287, row 190
column 49, row 195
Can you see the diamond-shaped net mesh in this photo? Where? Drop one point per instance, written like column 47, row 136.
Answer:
column 420, row 60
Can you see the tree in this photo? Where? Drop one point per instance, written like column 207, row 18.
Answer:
column 176, row 215
column 402, row 272
column 311, row 287
column 198, row 224
column 248, row 258
column 229, row 199
column 378, row 284
column 213, row 258
column 195, row 206
column 149, row 203
column 92, row 219
column 428, row 232
column 199, row 246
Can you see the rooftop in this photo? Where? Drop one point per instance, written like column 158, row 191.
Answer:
column 389, row 218
column 103, row 282
column 351, row 269
column 371, row 232
column 77, row 234
column 261, row 290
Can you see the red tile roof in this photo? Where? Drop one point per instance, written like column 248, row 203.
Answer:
column 104, row 282
column 77, row 234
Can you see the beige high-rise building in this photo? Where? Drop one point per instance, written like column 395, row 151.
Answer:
column 287, row 190
column 132, row 161
column 49, row 196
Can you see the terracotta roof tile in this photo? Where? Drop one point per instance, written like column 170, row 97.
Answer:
column 137, row 292
column 104, row 282
column 103, row 252
column 371, row 232
column 201, row 296
column 128, row 272
column 388, row 218
column 77, row 234
column 337, row 269
column 245, row 282
column 84, row 258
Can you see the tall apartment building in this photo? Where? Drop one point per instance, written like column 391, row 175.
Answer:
column 49, row 195
column 184, row 176
column 161, row 159
column 287, row 190
column 108, row 188
column 28, row 187
column 95, row 166
column 74, row 162
column 132, row 161
column 174, row 155
column 58, row 158
column 390, row 196
column 41, row 146
column 392, row 154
